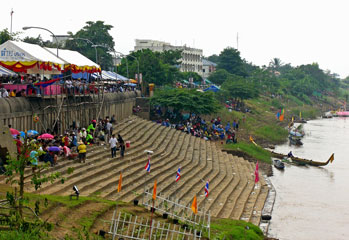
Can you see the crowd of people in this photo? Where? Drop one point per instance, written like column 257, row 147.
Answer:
column 208, row 130
column 34, row 86
column 72, row 144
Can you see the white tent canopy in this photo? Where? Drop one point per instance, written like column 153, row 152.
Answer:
column 73, row 57
column 12, row 51
column 6, row 72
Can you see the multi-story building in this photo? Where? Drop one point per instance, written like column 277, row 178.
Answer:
column 191, row 60
column 208, row 67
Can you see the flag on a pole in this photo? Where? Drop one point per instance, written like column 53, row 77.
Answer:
column 331, row 158
column 206, row 188
column 154, row 190
column 256, row 176
column 194, row 205
column 12, row 12
column 147, row 167
column 120, row 182
column 178, row 176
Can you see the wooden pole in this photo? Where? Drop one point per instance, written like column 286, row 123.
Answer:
column 151, row 221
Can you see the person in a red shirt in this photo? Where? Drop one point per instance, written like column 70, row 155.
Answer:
column 18, row 144
column 66, row 140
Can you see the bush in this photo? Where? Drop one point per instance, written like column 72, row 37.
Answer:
column 295, row 100
column 15, row 235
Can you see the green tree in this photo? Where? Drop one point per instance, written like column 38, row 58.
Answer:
column 220, row 76
column 186, row 75
column 5, row 35
column 214, row 58
column 237, row 87
column 38, row 40
column 98, row 33
column 158, row 68
column 230, row 60
column 187, row 100
column 16, row 174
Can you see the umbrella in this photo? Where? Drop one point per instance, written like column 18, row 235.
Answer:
column 54, row 149
column 46, row 136
column 14, row 131
column 22, row 134
column 32, row 133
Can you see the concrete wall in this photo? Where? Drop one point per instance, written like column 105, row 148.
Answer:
column 19, row 112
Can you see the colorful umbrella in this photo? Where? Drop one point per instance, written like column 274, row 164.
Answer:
column 32, row 133
column 46, row 136
column 54, row 149
column 14, row 131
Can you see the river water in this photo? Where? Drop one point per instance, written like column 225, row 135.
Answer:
column 313, row 202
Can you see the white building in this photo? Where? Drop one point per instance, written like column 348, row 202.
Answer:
column 208, row 67
column 191, row 60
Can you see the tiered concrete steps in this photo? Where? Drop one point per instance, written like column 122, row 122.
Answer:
column 232, row 189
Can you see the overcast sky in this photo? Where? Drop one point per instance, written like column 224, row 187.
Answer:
column 296, row 31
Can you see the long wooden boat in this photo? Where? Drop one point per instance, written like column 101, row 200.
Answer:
column 302, row 160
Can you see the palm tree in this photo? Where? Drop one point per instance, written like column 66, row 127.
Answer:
column 276, row 64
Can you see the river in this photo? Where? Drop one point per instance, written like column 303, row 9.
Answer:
column 313, row 202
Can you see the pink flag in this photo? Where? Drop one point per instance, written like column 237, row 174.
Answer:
column 256, row 176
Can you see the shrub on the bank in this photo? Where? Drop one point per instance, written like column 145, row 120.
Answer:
column 294, row 99
column 234, row 229
column 273, row 133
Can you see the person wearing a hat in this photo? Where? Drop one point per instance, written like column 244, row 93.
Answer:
column 82, row 152
column 83, row 134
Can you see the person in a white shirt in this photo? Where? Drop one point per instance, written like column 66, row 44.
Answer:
column 113, row 142
column 5, row 94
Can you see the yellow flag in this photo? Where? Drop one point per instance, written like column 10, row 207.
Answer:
column 154, row 191
column 120, row 182
column 292, row 119
column 331, row 158
column 251, row 139
column 194, row 205
column 300, row 115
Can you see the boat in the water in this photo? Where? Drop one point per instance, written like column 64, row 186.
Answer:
column 300, row 121
column 278, row 164
column 342, row 114
column 295, row 140
column 302, row 161
column 327, row 115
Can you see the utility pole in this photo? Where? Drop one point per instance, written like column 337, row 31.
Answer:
column 11, row 20
column 237, row 41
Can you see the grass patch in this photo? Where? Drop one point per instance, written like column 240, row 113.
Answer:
column 273, row 133
column 252, row 150
column 234, row 229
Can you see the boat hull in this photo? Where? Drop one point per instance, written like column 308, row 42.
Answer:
column 301, row 161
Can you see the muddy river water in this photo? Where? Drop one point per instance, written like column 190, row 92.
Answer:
column 313, row 202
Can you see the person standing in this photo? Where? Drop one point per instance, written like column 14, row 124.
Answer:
column 109, row 127
column 122, row 149
column 82, row 152
column 113, row 141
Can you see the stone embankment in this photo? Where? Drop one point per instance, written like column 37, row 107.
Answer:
column 232, row 190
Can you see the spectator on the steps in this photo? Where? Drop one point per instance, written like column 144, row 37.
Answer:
column 82, row 152
column 113, row 141
column 83, row 135
column 109, row 127
column 122, row 149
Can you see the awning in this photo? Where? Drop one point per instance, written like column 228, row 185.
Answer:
column 108, row 75
column 21, row 56
column 212, row 88
column 6, row 72
column 75, row 61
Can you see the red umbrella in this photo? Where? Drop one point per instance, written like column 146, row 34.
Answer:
column 14, row 131
column 46, row 136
